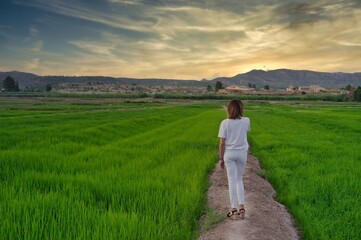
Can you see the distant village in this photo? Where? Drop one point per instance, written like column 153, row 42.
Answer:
column 9, row 84
column 228, row 90
column 291, row 90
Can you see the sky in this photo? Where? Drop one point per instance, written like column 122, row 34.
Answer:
column 179, row 39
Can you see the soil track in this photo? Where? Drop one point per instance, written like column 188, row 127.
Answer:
column 265, row 217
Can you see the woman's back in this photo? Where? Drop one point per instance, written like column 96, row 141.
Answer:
column 235, row 133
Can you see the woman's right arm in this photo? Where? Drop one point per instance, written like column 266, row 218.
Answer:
column 222, row 144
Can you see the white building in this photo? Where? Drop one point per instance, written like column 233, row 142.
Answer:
column 238, row 88
column 311, row 89
column 290, row 88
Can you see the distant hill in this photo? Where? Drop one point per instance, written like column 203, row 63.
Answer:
column 280, row 78
column 21, row 77
column 32, row 80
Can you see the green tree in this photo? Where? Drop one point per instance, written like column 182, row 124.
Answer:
column 218, row 86
column 357, row 94
column 266, row 87
column 48, row 88
column 348, row 87
column 209, row 88
column 16, row 89
column 9, row 84
column 251, row 85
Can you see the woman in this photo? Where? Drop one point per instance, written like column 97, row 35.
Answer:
column 233, row 149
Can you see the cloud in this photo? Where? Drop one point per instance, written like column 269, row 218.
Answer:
column 93, row 47
column 200, row 39
column 109, row 15
column 345, row 43
column 298, row 13
column 32, row 41
column 33, row 31
column 32, row 64
column 130, row 2
column 37, row 47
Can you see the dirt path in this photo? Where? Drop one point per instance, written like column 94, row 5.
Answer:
column 265, row 217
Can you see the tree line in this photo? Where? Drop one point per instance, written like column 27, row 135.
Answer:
column 10, row 85
column 357, row 94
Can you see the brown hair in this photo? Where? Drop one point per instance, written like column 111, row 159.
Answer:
column 235, row 109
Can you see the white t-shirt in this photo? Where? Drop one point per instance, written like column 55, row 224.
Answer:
column 235, row 133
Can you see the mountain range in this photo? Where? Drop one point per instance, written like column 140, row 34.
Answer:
column 280, row 78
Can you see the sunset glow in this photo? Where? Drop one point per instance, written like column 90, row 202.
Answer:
column 178, row 39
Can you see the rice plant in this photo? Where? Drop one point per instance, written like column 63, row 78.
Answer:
column 132, row 174
column 312, row 157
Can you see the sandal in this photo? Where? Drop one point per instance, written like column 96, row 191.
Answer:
column 233, row 213
column 242, row 213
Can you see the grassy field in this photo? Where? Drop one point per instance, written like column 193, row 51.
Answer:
column 137, row 171
column 311, row 154
column 132, row 169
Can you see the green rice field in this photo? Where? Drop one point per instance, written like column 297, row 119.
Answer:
column 117, row 169
column 137, row 171
column 312, row 156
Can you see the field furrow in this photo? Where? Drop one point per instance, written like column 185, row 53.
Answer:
column 311, row 156
column 147, row 181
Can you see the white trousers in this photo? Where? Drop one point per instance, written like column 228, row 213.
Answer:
column 235, row 161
